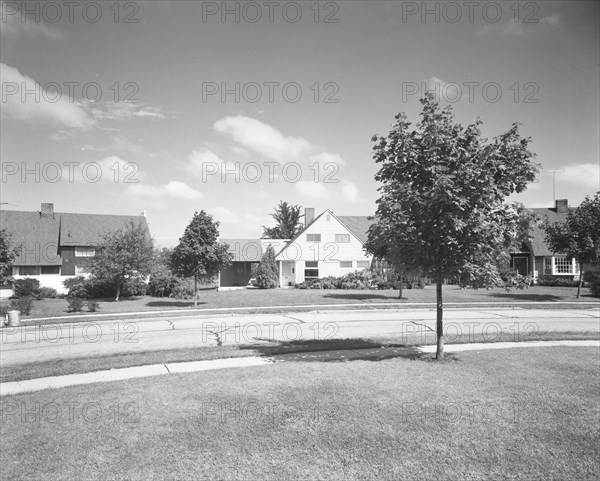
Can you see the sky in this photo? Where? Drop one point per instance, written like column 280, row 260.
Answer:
column 230, row 107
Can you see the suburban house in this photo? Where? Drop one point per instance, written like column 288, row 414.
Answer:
column 329, row 245
column 55, row 246
column 535, row 258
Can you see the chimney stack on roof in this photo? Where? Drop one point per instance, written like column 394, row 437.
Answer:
column 309, row 216
column 562, row 206
column 47, row 210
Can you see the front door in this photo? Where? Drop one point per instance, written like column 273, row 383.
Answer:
column 521, row 265
column 286, row 274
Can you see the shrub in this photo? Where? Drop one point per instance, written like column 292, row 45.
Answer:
column 184, row 289
column 93, row 306
column 592, row 279
column 75, row 304
column 93, row 288
column 267, row 273
column 22, row 304
column 76, row 287
column 551, row 281
column 47, row 293
column 26, row 287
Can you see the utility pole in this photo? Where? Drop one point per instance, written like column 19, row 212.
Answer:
column 554, row 172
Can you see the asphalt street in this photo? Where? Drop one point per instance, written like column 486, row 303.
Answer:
column 47, row 342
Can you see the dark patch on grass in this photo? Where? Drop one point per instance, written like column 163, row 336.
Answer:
column 172, row 303
column 334, row 350
column 362, row 297
column 526, row 297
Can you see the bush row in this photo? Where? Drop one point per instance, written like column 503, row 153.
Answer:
column 360, row 280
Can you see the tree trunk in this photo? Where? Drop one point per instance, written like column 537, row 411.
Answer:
column 400, row 287
column 118, row 291
column 195, row 291
column 439, row 355
column 580, row 279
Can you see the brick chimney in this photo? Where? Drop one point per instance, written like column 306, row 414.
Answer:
column 309, row 216
column 47, row 210
column 562, row 206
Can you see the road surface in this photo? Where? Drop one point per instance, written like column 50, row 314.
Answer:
column 44, row 343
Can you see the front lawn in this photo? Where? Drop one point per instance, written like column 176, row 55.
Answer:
column 512, row 414
column 292, row 298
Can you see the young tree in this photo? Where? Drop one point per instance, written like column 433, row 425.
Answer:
column 579, row 236
column 267, row 273
column 288, row 225
column 122, row 255
column 199, row 254
column 442, row 194
column 8, row 252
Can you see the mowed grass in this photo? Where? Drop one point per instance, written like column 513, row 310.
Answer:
column 293, row 298
column 513, row 414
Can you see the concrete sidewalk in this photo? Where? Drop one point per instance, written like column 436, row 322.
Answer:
column 30, row 385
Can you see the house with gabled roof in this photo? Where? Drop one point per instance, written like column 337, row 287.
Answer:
column 54, row 246
column 535, row 257
column 329, row 245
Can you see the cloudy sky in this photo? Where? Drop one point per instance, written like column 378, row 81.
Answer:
column 172, row 107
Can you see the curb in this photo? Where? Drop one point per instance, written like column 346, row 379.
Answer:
column 54, row 382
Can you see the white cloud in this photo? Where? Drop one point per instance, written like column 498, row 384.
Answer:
column 16, row 25
column 350, row 192
column 40, row 105
column 180, row 190
column 208, row 165
column 325, row 158
column 444, row 91
column 311, row 190
column 585, row 176
column 174, row 189
column 126, row 111
column 264, row 139
column 223, row 215
column 516, row 29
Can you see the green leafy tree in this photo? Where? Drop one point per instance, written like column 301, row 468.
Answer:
column 8, row 252
column 288, row 225
column 199, row 254
column 267, row 273
column 579, row 236
column 122, row 256
column 442, row 193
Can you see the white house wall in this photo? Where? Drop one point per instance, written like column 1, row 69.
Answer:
column 328, row 253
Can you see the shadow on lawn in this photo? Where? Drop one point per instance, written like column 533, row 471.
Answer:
column 335, row 350
column 172, row 303
column 527, row 297
column 361, row 297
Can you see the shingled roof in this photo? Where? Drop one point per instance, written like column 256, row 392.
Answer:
column 358, row 225
column 538, row 243
column 42, row 235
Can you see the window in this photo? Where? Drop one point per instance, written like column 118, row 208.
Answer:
column 548, row 265
column 346, row 264
column 562, row 265
column 50, row 270
column 85, row 252
column 327, row 218
column 342, row 238
column 29, row 270
column 313, row 237
column 311, row 270
column 362, row 264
